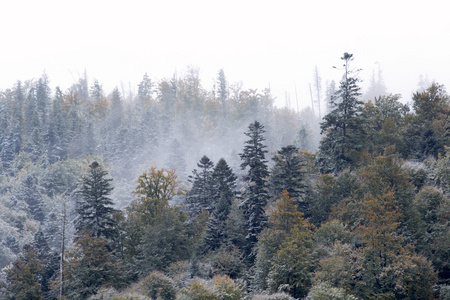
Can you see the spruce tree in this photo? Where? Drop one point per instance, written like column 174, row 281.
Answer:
column 343, row 124
column 255, row 195
column 145, row 90
column 49, row 261
column 287, row 173
column 201, row 195
column 30, row 194
column 94, row 207
column 224, row 183
column 56, row 136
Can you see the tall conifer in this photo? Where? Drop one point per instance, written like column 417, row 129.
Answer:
column 94, row 207
column 342, row 125
column 255, row 195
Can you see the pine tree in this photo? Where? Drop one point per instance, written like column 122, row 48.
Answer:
column 94, row 207
column 342, row 125
column 255, row 196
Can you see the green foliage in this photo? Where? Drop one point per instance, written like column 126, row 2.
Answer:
column 94, row 207
column 158, row 286
column 274, row 296
column 382, row 229
column 255, row 196
column 201, row 195
column 224, row 183
column 234, row 230
column 23, row 277
column 342, row 125
column 226, row 288
column 331, row 192
column 221, row 287
column 89, row 266
column 285, row 259
column 332, row 232
column 324, row 291
column 156, row 232
column 428, row 128
column 433, row 207
column 154, row 190
column 384, row 123
column 227, row 260
column 61, row 177
column 339, row 267
column 199, row 291
column 439, row 170
column 288, row 172
column 384, row 174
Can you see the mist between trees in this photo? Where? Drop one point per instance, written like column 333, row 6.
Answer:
column 183, row 193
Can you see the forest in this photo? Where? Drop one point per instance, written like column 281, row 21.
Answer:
column 179, row 192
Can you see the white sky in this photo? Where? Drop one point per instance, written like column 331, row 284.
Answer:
column 256, row 42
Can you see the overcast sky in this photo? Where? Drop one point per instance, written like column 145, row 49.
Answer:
column 260, row 43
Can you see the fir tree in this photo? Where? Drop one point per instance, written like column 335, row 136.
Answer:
column 49, row 261
column 30, row 194
column 255, row 196
column 116, row 109
column 222, row 90
column 224, row 183
column 288, row 173
column 145, row 90
column 43, row 92
column 94, row 207
column 7, row 153
column 201, row 195
column 342, row 125
column 56, row 137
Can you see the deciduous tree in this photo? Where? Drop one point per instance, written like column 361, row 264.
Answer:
column 24, row 275
column 157, row 234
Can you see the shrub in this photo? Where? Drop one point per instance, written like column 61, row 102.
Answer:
column 324, row 291
column 226, row 288
column 276, row 296
column 159, row 286
column 198, row 290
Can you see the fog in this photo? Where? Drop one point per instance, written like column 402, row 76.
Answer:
column 257, row 43
column 136, row 85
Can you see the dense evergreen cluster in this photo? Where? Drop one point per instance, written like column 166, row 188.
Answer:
column 96, row 200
